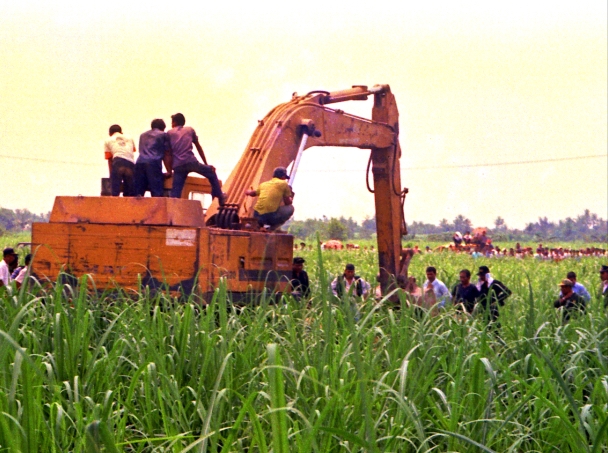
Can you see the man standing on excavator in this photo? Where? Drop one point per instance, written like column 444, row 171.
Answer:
column 181, row 139
column 120, row 153
column 268, row 210
column 153, row 150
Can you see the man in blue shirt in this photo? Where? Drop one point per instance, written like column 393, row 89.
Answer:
column 442, row 293
column 154, row 148
column 577, row 287
column 181, row 139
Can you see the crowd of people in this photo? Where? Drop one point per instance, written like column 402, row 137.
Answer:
column 485, row 248
column 541, row 252
column 174, row 148
column 10, row 270
column 484, row 296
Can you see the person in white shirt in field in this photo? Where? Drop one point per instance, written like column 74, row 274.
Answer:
column 9, row 257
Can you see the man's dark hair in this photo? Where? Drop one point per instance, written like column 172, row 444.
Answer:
column 158, row 124
column 115, row 128
column 9, row 251
column 28, row 259
column 178, row 119
column 431, row 269
column 466, row 272
column 280, row 172
column 349, row 267
column 570, row 275
column 483, row 270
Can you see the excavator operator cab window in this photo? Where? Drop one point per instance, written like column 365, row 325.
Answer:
column 204, row 198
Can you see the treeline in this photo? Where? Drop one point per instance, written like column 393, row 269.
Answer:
column 587, row 227
column 333, row 228
column 19, row 220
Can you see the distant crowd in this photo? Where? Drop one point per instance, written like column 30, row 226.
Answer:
column 469, row 298
column 481, row 245
column 540, row 253
column 479, row 249
column 484, row 296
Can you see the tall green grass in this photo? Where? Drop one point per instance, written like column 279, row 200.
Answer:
column 88, row 372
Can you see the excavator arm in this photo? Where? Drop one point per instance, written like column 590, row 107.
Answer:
column 307, row 121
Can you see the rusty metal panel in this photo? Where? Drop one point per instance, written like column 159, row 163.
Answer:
column 284, row 260
column 205, row 283
column 237, row 257
column 269, row 260
column 173, row 256
column 120, row 255
column 50, row 248
column 249, row 261
column 128, row 211
column 227, row 255
column 111, row 254
column 284, row 252
column 162, row 256
column 218, row 245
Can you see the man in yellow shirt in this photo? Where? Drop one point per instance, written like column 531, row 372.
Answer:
column 268, row 210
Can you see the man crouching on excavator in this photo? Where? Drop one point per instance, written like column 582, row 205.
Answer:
column 268, row 210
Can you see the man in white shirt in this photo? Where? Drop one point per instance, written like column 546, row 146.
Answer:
column 353, row 286
column 442, row 293
column 9, row 257
column 346, row 281
column 120, row 152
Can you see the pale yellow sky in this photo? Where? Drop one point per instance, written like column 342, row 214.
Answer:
column 476, row 83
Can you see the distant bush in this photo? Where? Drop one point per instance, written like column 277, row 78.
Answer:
column 20, row 219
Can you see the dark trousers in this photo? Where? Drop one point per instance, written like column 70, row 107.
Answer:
column 181, row 173
column 122, row 173
column 276, row 218
column 149, row 176
column 491, row 316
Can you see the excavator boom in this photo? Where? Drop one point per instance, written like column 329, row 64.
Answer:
column 278, row 137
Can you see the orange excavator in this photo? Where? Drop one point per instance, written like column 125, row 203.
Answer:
column 173, row 244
